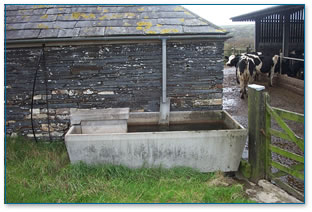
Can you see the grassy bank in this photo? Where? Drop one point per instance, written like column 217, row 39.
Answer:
column 41, row 173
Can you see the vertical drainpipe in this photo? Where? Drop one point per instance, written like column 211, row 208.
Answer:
column 164, row 70
column 164, row 101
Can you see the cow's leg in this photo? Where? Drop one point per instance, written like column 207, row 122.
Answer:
column 242, row 87
column 275, row 60
column 246, row 83
column 271, row 75
column 252, row 78
column 237, row 78
column 258, row 76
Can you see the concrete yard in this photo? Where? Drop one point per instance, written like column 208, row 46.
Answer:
column 238, row 107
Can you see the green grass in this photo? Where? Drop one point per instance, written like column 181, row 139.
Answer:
column 41, row 173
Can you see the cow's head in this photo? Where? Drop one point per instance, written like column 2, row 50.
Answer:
column 233, row 60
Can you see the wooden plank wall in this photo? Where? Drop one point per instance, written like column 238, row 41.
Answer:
column 271, row 31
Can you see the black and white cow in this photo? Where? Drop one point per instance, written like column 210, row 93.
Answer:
column 296, row 68
column 263, row 64
column 245, row 71
column 232, row 62
column 292, row 68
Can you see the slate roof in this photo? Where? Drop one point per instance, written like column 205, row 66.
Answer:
column 78, row 21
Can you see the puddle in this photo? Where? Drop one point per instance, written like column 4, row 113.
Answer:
column 229, row 103
column 227, row 90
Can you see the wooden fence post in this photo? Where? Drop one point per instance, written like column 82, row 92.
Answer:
column 256, row 132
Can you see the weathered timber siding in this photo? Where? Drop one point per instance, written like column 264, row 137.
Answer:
column 110, row 75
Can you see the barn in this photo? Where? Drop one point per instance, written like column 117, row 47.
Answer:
column 59, row 57
column 277, row 29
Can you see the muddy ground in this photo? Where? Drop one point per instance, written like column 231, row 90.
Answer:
column 281, row 98
column 238, row 108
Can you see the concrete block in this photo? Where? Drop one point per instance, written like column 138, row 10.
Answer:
column 100, row 127
column 207, row 102
column 78, row 115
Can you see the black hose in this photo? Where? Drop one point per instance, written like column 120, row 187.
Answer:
column 46, row 89
column 32, row 99
column 41, row 57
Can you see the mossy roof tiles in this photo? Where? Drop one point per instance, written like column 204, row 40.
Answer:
column 57, row 21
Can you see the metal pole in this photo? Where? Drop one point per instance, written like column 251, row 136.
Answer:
column 286, row 34
column 164, row 70
column 281, row 62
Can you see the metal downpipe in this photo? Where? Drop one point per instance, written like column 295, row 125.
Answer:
column 164, row 70
column 164, row 101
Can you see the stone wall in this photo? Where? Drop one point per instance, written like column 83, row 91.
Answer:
column 109, row 75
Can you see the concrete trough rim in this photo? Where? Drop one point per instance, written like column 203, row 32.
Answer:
column 178, row 134
column 162, row 132
column 238, row 130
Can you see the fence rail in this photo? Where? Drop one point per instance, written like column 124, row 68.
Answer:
column 288, row 58
column 293, row 58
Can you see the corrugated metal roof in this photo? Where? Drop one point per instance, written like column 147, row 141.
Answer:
column 78, row 21
column 268, row 11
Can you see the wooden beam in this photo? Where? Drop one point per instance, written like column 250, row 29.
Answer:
column 257, row 34
column 299, row 141
column 289, row 115
column 279, row 173
column 288, row 170
column 286, row 34
column 287, row 154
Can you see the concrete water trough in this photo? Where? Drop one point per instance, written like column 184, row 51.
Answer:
column 205, row 140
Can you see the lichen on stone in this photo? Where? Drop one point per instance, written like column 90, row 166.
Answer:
column 44, row 16
column 166, row 31
column 42, row 26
